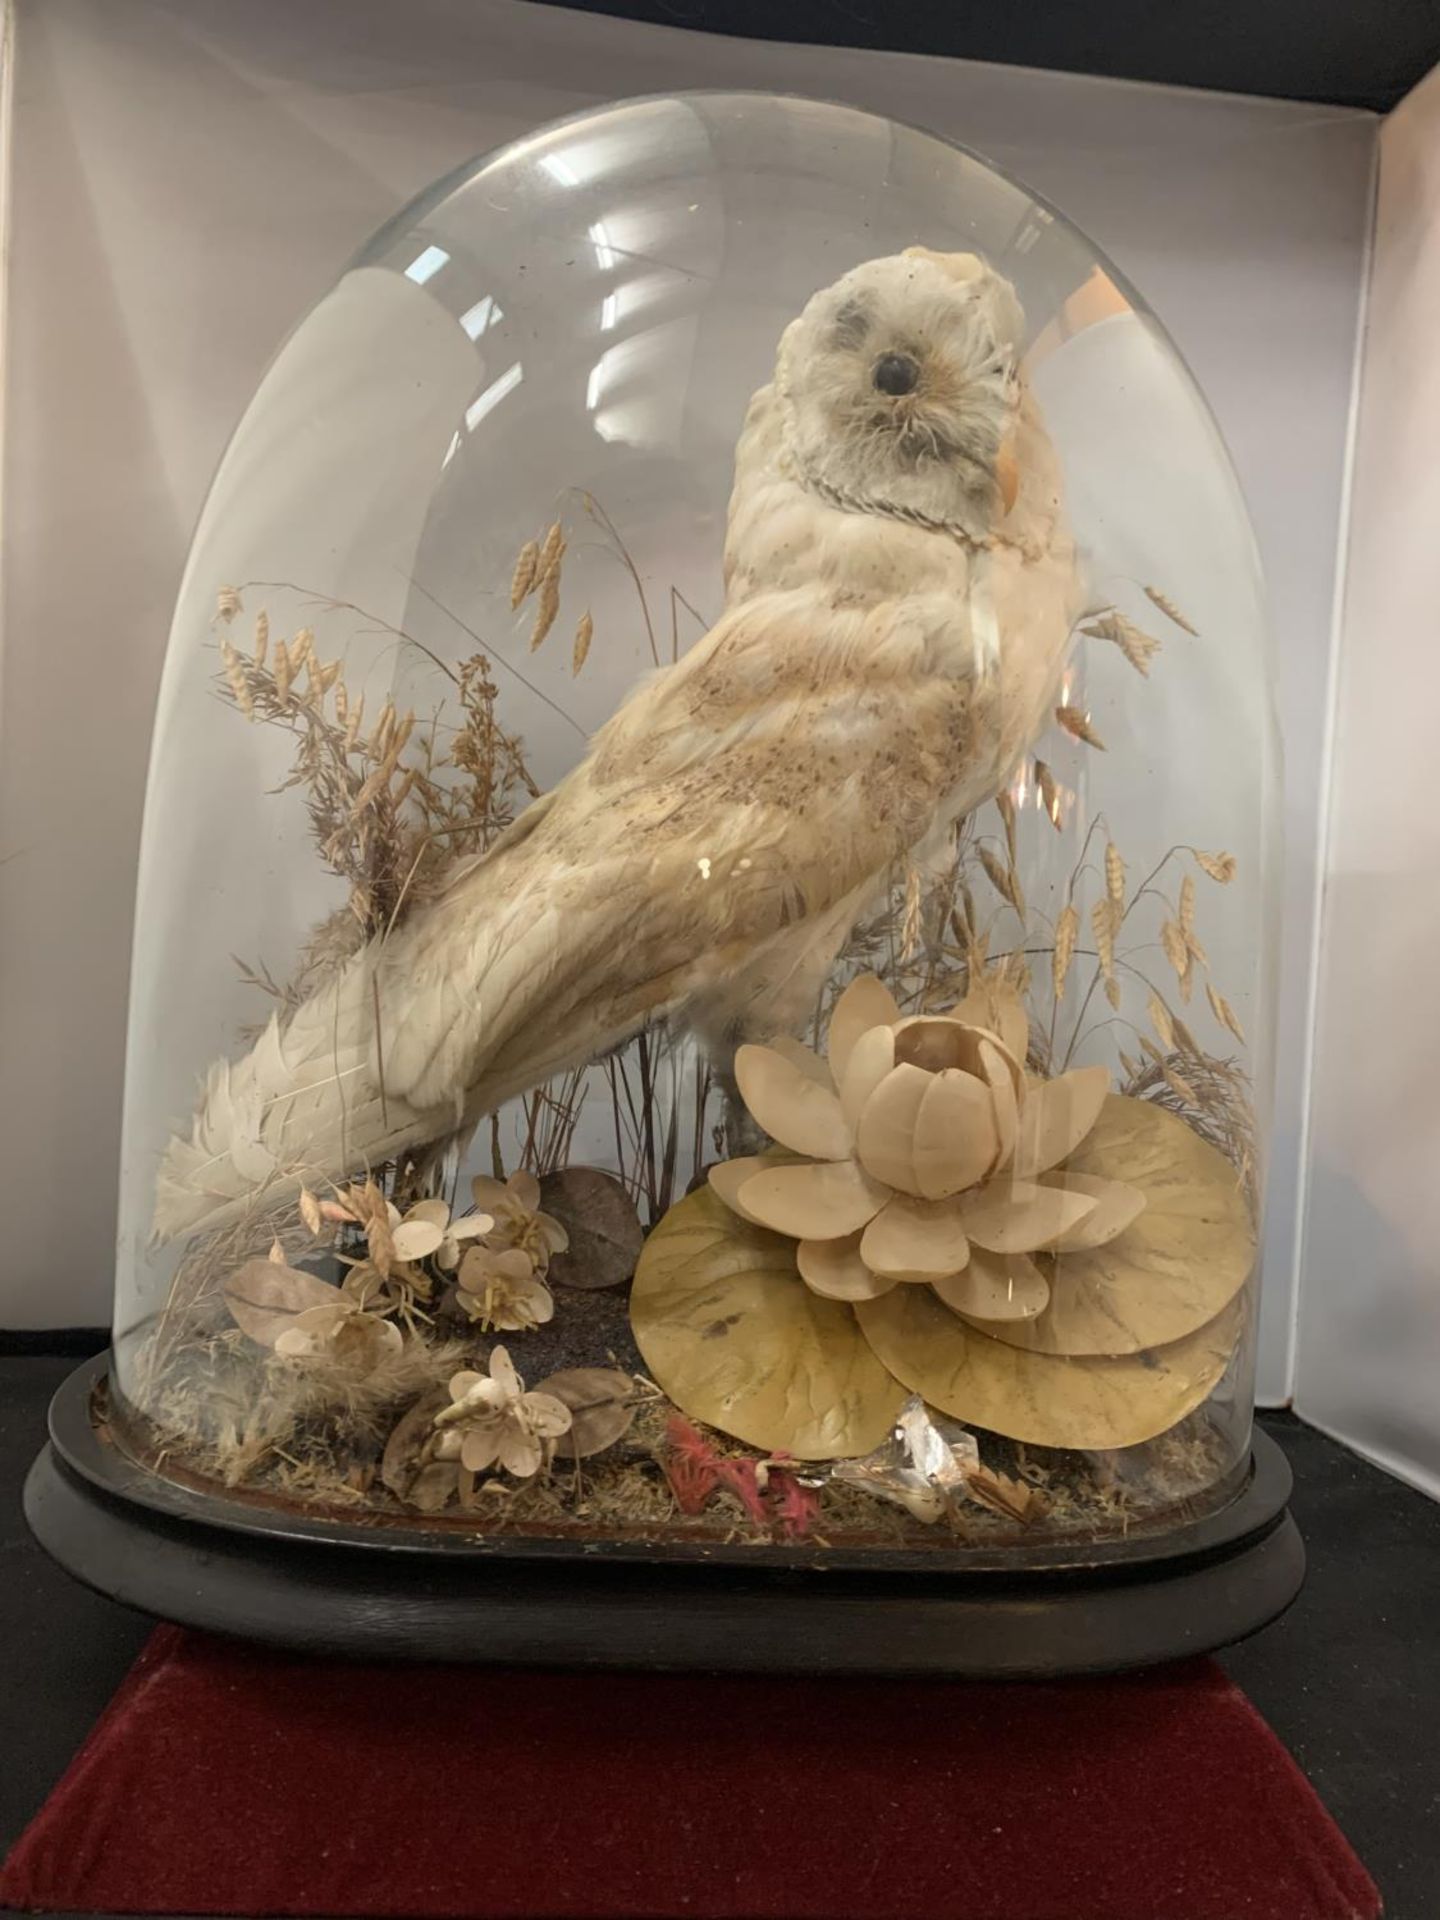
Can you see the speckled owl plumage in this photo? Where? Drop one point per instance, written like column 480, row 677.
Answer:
column 901, row 586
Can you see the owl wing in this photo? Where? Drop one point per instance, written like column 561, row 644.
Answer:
column 737, row 798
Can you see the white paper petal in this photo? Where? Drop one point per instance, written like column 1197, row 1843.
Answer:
column 885, row 1135
column 1000, row 1078
column 955, row 1142
column 915, row 1239
column 806, row 1058
column 728, row 1176
column 1056, row 1117
column 524, row 1189
column 822, row 1200
column 995, row 1005
column 865, row 1003
column 1020, row 1217
column 416, row 1239
column 871, row 1058
column 996, row 1286
column 835, row 1269
column 790, row 1105
column 1117, row 1206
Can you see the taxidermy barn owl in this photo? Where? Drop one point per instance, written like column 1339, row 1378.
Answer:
column 901, row 586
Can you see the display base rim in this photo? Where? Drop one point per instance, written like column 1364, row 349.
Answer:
column 335, row 1598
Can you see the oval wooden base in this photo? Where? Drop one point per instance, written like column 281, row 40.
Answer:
column 377, row 1594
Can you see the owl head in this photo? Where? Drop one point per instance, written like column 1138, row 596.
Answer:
column 898, row 389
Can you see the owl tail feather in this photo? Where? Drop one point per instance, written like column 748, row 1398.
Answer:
column 416, row 1037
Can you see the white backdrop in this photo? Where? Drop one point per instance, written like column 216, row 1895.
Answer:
column 188, row 176
column 1369, row 1355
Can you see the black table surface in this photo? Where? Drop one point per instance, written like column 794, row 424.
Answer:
column 1349, row 1679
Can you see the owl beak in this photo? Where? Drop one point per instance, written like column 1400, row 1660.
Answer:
column 959, row 266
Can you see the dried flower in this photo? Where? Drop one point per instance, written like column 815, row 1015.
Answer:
column 500, row 1288
column 547, row 606
column 1219, row 866
column 1136, row 645
column 526, row 567
column 493, row 1421
column 341, row 1330
column 1102, row 925
column 1076, row 722
column 1114, row 874
column 1049, row 793
column 514, row 1205
column 1225, row 1013
column 928, row 1156
column 1171, row 612
column 584, row 633
column 1066, row 928
column 691, row 1464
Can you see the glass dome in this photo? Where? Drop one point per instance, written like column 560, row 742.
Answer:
column 704, row 945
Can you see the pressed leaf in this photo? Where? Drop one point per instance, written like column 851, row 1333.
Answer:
column 400, row 1462
column 600, row 1410
column 603, row 1228
column 736, row 1339
column 265, row 1296
column 1181, row 1262
column 1040, row 1398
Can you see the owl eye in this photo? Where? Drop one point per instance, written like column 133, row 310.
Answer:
column 852, row 323
column 896, row 373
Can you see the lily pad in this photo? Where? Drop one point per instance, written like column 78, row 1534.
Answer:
column 734, row 1336
column 1183, row 1259
column 1048, row 1400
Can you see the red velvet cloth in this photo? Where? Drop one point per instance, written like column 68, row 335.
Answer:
column 227, row 1780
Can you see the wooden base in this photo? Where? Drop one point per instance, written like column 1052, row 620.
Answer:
column 401, row 1594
